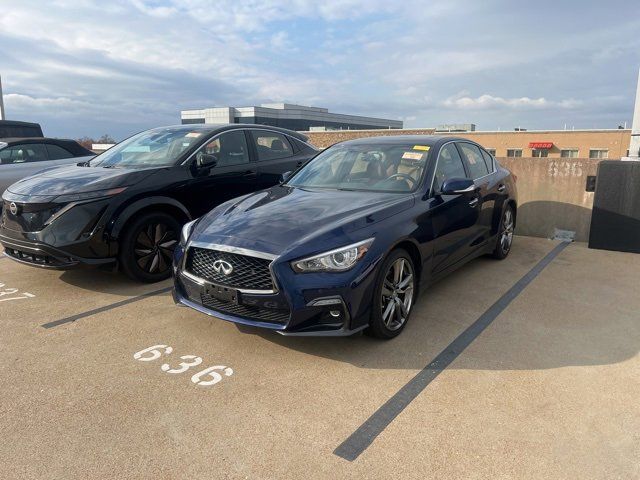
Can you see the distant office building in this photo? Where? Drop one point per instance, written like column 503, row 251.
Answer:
column 456, row 127
column 293, row 117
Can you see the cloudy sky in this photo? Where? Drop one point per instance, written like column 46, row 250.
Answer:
column 88, row 68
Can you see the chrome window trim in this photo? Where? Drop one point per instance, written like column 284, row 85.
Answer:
column 433, row 176
column 230, row 249
column 435, row 167
column 243, row 129
column 266, row 128
column 211, row 139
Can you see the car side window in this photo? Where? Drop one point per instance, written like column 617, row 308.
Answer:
column 56, row 152
column 488, row 160
column 24, row 153
column 477, row 166
column 271, row 145
column 449, row 165
column 229, row 148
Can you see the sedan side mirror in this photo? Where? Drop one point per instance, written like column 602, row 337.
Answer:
column 456, row 186
column 285, row 176
column 206, row 160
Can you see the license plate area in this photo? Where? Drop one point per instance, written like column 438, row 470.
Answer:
column 224, row 294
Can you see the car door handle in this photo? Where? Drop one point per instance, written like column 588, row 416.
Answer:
column 473, row 203
column 502, row 188
column 250, row 174
column 299, row 164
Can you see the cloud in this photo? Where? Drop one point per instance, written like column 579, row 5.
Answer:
column 464, row 101
column 87, row 67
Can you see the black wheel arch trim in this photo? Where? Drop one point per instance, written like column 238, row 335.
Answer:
column 130, row 210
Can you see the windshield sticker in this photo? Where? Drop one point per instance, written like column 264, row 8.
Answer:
column 193, row 134
column 412, row 155
column 422, row 147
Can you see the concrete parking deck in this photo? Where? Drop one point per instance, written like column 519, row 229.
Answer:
column 548, row 390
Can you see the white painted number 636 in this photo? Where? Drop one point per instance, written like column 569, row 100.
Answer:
column 211, row 372
column 184, row 366
column 154, row 353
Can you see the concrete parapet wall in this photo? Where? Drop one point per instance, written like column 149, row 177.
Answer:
column 328, row 138
column 551, row 194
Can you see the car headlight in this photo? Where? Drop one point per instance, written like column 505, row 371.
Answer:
column 338, row 260
column 186, row 231
column 80, row 197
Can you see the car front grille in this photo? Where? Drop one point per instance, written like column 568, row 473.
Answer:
column 30, row 217
column 249, row 312
column 249, row 273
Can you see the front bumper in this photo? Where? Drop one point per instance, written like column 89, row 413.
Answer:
column 310, row 307
column 38, row 254
column 73, row 239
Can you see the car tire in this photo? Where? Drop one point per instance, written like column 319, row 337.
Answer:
column 396, row 287
column 146, row 247
column 504, row 240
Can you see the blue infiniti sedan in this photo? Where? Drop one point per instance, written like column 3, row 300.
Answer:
column 348, row 241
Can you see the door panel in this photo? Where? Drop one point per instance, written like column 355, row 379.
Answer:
column 481, row 172
column 453, row 218
column 275, row 155
column 234, row 175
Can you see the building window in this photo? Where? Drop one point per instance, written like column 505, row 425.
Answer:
column 514, row 152
column 569, row 153
column 539, row 152
column 598, row 153
column 492, row 151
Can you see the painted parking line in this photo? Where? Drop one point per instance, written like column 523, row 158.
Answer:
column 364, row 436
column 111, row 306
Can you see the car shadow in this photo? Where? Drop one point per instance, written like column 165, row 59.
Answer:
column 113, row 283
column 534, row 332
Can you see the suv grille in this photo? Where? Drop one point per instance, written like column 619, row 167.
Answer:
column 30, row 217
column 251, row 313
column 250, row 273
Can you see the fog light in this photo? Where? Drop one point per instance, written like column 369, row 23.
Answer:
column 334, row 313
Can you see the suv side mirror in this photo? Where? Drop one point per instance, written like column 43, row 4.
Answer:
column 206, row 160
column 456, row 186
column 285, row 176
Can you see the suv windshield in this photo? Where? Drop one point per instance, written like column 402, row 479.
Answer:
column 370, row 167
column 159, row 147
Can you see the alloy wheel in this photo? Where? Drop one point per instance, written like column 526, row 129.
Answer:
column 397, row 294
column 506, row 237
column 154, row 247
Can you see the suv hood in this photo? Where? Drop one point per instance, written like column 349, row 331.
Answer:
column 74, row 179
column 283, row 217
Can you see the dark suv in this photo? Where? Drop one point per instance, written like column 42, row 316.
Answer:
column 127, row 205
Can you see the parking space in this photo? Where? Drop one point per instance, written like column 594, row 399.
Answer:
column 548, row 390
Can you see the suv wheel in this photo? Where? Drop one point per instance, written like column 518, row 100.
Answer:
column 394, row 296
column 146, row 248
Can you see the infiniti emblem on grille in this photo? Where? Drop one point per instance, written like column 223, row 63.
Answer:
column 220, row 266
column 13, row 208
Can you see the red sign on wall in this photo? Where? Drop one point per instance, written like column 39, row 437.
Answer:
column 541, row 145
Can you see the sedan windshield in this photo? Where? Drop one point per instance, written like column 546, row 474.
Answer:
column 368, row 167
column 159, row 147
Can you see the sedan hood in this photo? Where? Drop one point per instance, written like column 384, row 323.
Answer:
column 283, row 217
column 66, row 180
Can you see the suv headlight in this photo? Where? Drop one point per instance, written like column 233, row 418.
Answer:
column 81, row 197
column 338, row 260
column 186, row 231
